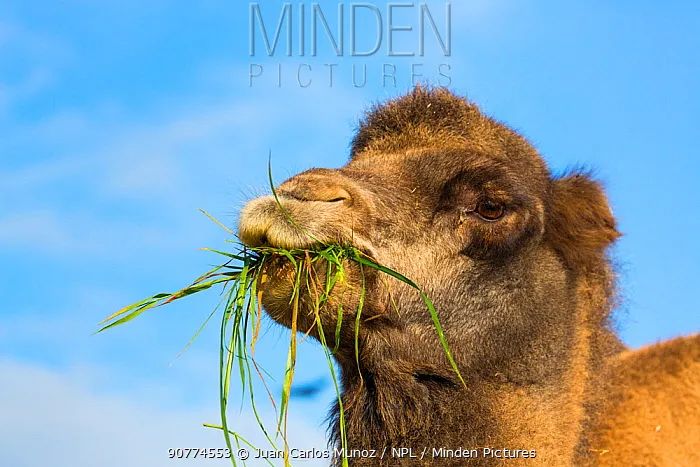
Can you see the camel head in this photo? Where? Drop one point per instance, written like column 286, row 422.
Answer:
column 464, row 207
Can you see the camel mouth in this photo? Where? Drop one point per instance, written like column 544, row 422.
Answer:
column 302, row 272
column 295, row 289
column 300, row 240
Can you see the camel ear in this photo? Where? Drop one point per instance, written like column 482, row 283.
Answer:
column 580, row 224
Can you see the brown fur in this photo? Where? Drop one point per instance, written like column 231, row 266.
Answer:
column 651, row 407
column 525, row 299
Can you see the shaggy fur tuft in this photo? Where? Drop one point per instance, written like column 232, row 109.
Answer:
column 581, row 223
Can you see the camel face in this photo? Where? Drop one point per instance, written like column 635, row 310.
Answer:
column 460, row 210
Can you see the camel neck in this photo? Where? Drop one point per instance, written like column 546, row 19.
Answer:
column 531, row 402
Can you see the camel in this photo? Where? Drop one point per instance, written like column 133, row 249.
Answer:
column 516, row 261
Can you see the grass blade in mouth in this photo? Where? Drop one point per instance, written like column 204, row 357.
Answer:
column 240, row 277
column 358, row 315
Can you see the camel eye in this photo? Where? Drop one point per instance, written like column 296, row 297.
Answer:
column 490, row 210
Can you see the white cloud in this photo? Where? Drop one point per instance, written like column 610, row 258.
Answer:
column 52, row 418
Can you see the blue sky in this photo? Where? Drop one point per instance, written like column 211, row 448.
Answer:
column 119, row 120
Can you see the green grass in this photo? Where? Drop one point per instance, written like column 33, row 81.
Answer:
column 239, row 277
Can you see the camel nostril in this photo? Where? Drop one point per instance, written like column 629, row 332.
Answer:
column 325, row 194
column 336, row 195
